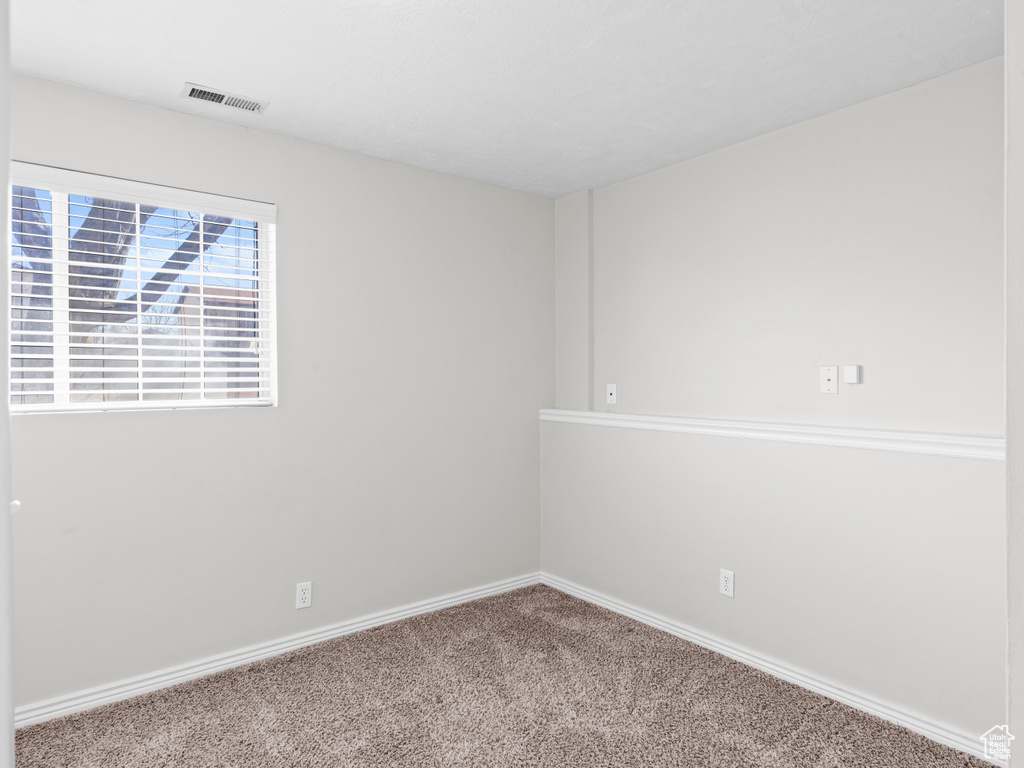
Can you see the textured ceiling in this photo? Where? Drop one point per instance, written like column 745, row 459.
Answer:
column 545, row 96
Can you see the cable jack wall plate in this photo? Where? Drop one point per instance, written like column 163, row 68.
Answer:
column 830, row 379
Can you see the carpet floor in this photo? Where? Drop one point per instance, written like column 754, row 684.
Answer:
column 528, row 678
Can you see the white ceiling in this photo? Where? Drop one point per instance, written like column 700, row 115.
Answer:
column 545, row 96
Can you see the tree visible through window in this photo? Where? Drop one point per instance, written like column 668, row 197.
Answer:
column 119, row 303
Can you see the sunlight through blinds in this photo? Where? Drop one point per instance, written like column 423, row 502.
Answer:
column 128, row 295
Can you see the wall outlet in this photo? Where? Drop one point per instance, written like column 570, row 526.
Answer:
column 726, row 582
column 610, row 394
column 304, row 594
column 830, row 379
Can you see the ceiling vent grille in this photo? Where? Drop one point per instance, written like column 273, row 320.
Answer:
column 202, row 93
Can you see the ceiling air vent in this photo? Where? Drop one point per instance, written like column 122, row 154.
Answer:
column 202, row 93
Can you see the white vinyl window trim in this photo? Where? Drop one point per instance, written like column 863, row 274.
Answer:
column 132, row 296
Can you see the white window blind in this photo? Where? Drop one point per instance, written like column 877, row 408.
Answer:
column 128, row 295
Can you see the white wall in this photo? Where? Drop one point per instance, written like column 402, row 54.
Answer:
column 401, row 463
column 1015, row 369
column 573, row 352
column 868, row 236
column 6, row 596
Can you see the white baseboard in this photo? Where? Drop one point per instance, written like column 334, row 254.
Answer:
column 94, row 697
column 123, row 689
column 951, row 737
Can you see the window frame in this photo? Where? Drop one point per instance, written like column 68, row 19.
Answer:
column 68, row 182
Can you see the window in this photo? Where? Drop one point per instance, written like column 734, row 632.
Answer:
column 127, row 295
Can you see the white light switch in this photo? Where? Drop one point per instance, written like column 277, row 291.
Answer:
column 851, row 374
column 830, row 379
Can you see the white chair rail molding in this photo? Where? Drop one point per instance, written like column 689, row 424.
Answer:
column 984, row 447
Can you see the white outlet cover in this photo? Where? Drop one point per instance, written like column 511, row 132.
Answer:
column 726, row 582
column 304, row 594
column 610, row 391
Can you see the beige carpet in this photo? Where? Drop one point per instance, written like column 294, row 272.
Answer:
column 528, row 678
